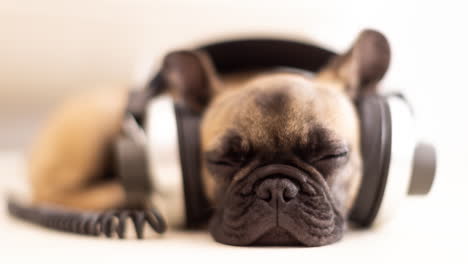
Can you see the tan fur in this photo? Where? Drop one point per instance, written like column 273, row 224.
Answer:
column 310, row 97
column 70, row 150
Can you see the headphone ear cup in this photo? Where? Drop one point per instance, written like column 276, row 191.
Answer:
column 376, row 140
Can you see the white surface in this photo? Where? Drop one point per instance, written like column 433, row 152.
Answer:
column 51, row 48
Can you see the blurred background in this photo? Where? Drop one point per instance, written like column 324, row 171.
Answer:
column 52, row 49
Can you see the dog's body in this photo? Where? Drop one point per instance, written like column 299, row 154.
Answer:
column 68, row 160
column 281, row 159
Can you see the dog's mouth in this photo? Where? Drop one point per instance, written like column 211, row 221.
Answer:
column 278, row 205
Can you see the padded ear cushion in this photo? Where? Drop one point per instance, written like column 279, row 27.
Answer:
column 376, row 140
column 197, row 209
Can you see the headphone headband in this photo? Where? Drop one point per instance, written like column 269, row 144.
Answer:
column 235, row 55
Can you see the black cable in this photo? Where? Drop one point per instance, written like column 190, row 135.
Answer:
column 89, row 223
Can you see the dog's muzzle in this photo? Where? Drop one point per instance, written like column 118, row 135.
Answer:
column 278, row 205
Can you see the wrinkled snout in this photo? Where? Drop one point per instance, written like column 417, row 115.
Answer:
column 278, row 204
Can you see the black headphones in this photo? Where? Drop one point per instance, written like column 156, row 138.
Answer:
column 395, row 164
column 157, row 154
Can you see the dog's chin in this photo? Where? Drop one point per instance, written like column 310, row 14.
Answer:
column 277, row 236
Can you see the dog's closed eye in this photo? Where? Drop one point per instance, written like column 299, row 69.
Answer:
column 322, row 146
column 335, row 155
column 329, row 161
column 232, row 151
column 220, row 165
column 224, row 162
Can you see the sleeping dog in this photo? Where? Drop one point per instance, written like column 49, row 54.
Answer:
column 281, row 158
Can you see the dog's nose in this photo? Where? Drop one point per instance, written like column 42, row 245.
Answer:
column 274, row 190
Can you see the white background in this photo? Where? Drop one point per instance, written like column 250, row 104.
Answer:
column 52, row 49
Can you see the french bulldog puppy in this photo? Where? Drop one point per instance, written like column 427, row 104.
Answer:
column 281, row 160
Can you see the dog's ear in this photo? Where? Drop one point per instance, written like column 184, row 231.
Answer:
column 190, row 77
column 360, row 69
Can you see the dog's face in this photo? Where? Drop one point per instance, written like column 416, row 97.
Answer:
column 280, row 150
